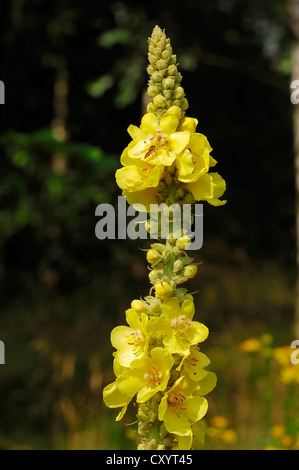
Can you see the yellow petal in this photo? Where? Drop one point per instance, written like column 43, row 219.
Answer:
column 136, row 133
column 196, row 408
column 169, row 123
column 149, row 123
column 185, row 442
column 188, row 124
column 128, row 178
column 141, row 199
column 113, row 398
column 202, row 188
column 119, row 336
column 198, row 142
column 176, row 423
column 178, row 141
column 207, row 384
column 184, row 164
column 138, row 149
column 200, row 167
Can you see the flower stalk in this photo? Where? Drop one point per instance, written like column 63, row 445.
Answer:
column 158, row 361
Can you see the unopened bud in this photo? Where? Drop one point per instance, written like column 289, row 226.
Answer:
column 161, row 64
column 182, row 241
column 178, row 93
column 138, row 306
column 190, row 271
column 152, row 256
column 163, row 290
column 177, row 266
column 160, row 101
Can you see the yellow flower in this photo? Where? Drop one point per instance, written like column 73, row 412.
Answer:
column 177, row 327
column 113, row 397
column 229, row 436
column 139, row 177
column 179, row 408
column 289, row 374
column 287, row 441
column 250, row 345
column 157, row 140
column 195, row 160
column 193, row 365
column 219, row 422
column 278, row 430
column 131, row 342
column 142, row 199
column 163, row 290
column 206, row 384
column 208, row 187
column 283, row 355
column 146, row 376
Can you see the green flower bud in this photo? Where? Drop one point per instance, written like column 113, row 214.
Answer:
column 153, row 90
column 166, row 55
column 157, row 77
column 178, row 93
column 150, row 69
column 190, row 271
column 177, row 266
column 168, row 95
column 159, row 101
column 167, row 254
column 180, row 193
column 168, row 83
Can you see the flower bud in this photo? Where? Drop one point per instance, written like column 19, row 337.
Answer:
column 151, row 108
column 155, row 306
column 168, row 83
column 150, row 69
column 190, row 271
column 182, row 241
column 166, row 254
column 177, row 266
column 166, row 54
column 167, row 94
column 178, row 93
column 138, row 306
column 161, row 64
column 172, row 70
column 152, row 256
column 153, row 90
column 180, row 193
column 157, row 77
column 159, row 101
column 163, row 290
column 176, row 111
column 185, row 104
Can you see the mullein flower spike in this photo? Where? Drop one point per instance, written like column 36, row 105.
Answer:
column 157, row 362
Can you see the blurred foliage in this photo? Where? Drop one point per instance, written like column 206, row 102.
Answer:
column 61, row 289
column 49, row 190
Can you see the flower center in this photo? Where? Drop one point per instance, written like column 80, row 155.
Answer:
column 136, row 340
column 153, row 377
column 157, row 142
column 180, row 325
column 176, row 400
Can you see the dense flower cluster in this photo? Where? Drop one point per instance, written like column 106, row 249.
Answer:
column 157, row 354
column 157, row 359
column 167, row 161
